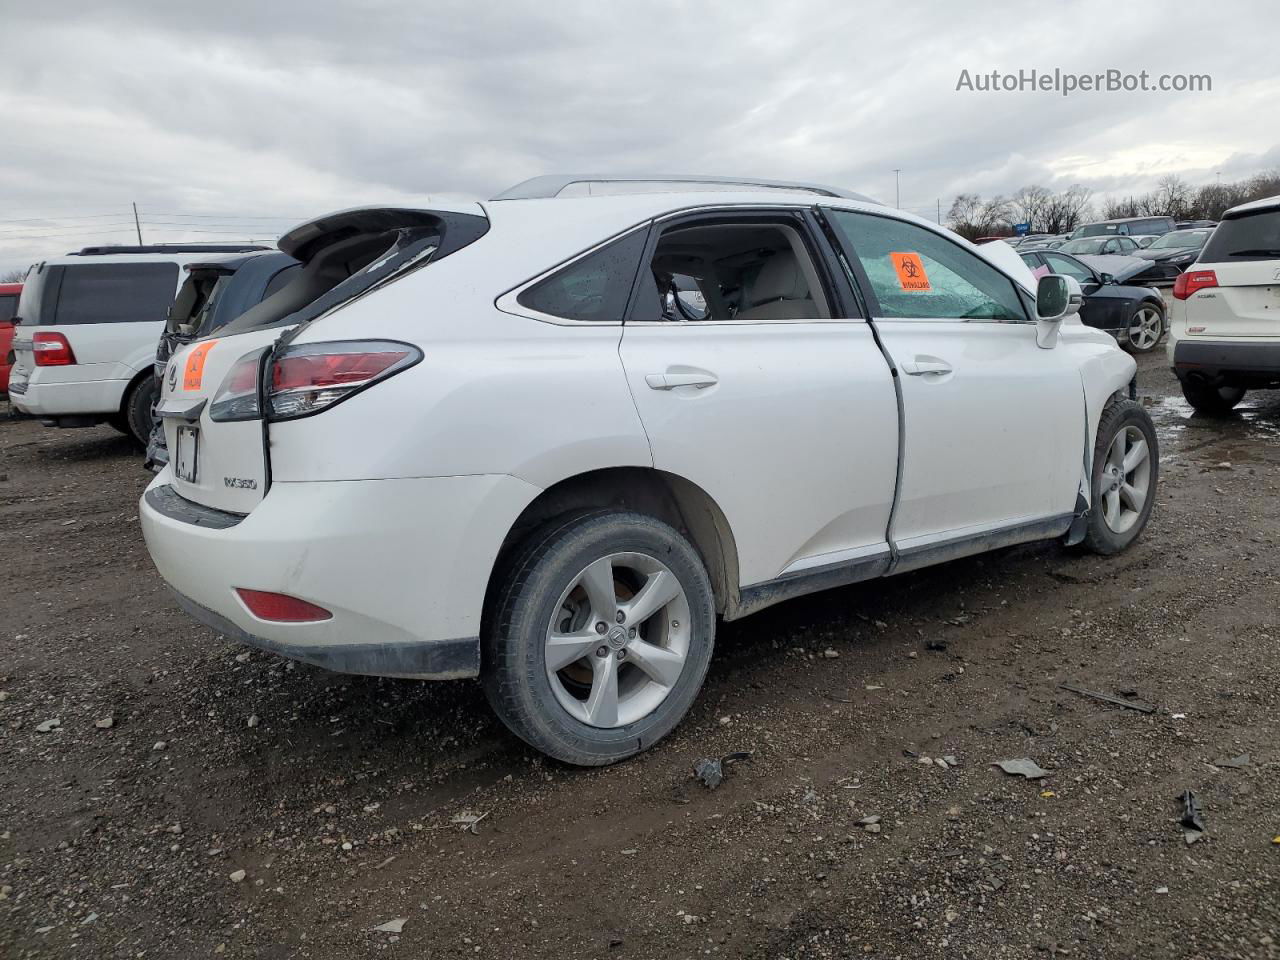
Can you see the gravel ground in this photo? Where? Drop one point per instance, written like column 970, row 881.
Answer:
column 194, row 798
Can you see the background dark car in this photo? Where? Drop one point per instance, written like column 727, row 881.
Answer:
column 1100, row 246
column 1171, row 254
column 9, row 293
column 1125, row 226
column 212, row 295
column 1132, row 314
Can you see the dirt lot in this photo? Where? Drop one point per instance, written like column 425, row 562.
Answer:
column 335, row 795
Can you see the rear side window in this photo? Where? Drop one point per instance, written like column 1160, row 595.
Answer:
column 8, row 307
column 281, row 278
column 116, row 292
column 593, row 288
column 1255, row 237
column 917, row 274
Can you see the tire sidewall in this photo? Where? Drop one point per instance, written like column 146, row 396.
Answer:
column 529, row 610
column 1159, row 337
column 1115, row 418
column 138, row 409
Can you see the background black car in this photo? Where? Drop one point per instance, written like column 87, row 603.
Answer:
column 1171, row 254
column 1134, row 315
column 212, row 295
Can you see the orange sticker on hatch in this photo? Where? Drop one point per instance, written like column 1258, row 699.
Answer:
column 193, row 371
column 911, row 275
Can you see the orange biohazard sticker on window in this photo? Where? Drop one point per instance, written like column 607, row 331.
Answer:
column 911, row 275
column 193, row 372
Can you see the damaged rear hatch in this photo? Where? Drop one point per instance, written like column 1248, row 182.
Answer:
column 216, row 389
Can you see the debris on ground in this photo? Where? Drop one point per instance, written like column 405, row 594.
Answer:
column 1234, row 762
column 871, row 823
column 710, row 770
column 938, row 645
column 392, row 926
column 106, row 723
column 1022, row 767
column 237, row 876
column 1192, row 824
column 469, row 821
column 47, row 725
column 1138, row 705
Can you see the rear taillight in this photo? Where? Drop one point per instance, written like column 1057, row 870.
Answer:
column 52, row 350
column 237, row 397
column 281, row 608
column 1190, row 281
column 312, row 377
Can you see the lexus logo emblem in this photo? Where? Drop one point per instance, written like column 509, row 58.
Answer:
column 173, row 376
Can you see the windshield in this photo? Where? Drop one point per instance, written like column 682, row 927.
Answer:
column 1085, row 245
column 1181, row 238
column 1097, row 230
column 1252, row 237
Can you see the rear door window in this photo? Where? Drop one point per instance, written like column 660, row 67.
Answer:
column 1255, row 237
column 116, row 292
column 8, row 307
column 594, row 288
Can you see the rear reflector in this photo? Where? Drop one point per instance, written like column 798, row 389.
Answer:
column 1190, row 281
column 281, row 608
column 52, row 350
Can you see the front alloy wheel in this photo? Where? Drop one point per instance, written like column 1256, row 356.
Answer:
column 1126, row 470
column 1146, row 328
column 599, row 636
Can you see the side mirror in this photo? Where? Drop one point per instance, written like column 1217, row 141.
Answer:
column 1106, row 278
column 1057, row 297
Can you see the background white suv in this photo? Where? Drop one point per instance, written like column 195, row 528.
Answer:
column 1224, row 325
column 547, row 439
column 84, row 349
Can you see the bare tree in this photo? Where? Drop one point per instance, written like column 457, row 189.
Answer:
column 1066, row 210
column 993, row 218
column 1027, row 205
column 12, row 276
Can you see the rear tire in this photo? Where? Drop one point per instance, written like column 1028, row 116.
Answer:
column 616, row 691
column 1213, row 401
column 1126, row 473
column 1146, row 327
column 136, row 410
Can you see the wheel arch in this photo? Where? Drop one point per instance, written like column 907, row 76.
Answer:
column 132, row 385
column 668, row 497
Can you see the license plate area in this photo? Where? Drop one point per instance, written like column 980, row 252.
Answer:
column 186, row 458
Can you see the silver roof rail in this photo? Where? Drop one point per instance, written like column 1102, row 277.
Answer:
column 552, row 185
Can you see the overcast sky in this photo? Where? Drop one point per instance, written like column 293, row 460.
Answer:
column 209, row 114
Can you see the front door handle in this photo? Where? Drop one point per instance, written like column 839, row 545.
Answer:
column 669, row 381
column 921, row 366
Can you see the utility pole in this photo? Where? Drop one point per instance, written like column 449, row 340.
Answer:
column 137, row 224
column 897, row 194
column 939, row 211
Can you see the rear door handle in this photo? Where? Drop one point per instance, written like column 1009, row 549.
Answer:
column 669, row 381
column 925, row 365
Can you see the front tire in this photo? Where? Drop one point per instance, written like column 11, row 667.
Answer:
column 598, row 637
column 1146, row 328
column 1126, row 471
column 1210, row 400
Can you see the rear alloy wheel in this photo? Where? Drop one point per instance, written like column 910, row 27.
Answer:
column 1146, row 328
column 1214, row 401
column 137, row 410
column 600, row 637
column 1126, row 470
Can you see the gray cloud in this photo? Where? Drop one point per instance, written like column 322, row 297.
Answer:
column 289, row 109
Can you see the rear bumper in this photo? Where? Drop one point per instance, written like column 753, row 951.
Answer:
column 403, row 565
column 96, row 398
column 1224, row 362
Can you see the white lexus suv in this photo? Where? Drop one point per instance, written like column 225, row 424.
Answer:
column 547, row 439
column 1224, row 325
